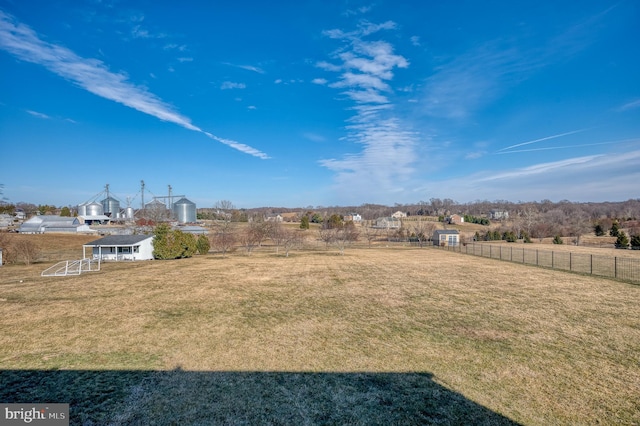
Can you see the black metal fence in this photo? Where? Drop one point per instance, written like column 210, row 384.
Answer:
column 622, row 268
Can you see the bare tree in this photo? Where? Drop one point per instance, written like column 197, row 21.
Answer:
column 423, row 231
column 343, row 236
column 248, row 238
column 223, row 237
column 370, row 234
column 26, row 250
column 291, row 238
column 277, row 234
column 326, row 235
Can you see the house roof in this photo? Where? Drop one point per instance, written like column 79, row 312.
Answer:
column 119, row 240
column 446, row 232
column 52, row 219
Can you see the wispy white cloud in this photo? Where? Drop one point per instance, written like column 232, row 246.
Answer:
column 185, row 59
column 138, row 32
column 385, row 160
column 246, row 67
column 231, row 85
column 630, row 105
column 472, row 79
column 38, row 114
column 321, row 81
column 175, row 46
column 239, row 146
column 611, row 176
column 415, row 40
column 314, row 137
column 93, row 75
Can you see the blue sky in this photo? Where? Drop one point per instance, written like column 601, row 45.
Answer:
column 298, row 103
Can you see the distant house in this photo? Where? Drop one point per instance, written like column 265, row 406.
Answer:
column 52, row 223
column 273, row 218
column 498, row 214
column 399, row 214
column 121, row 247
column 290, row 217
column 388, row 223
column 446, row 237
column 455, row 219
column 353, row 217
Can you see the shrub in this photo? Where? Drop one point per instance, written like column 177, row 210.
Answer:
column 635, row 242
column 557, row 240
column 202, row 244
column 172, row 244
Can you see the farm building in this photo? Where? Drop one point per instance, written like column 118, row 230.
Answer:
column 121, row 247
column 6, row 220
column 399, row 214
column 446, row 237
column 52, row 223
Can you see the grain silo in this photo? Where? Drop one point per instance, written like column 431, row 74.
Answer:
column 184, row 211
column 82, row 209
column 94, row 209
column 128, row 213
column 111, row 206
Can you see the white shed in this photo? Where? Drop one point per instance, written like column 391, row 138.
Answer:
column 121, row 247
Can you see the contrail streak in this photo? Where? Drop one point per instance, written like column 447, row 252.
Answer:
column 542, row 139
column 549, row 148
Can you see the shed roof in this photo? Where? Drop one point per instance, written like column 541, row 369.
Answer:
column 119, row 240
column 446, row 232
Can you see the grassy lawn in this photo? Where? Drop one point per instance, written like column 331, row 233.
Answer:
column 378, row 336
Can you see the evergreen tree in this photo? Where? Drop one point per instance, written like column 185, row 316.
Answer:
column 65, row 212
column 557, row 240
column 622, row 242
column 304, row 222
column 615, row 229
column 635, row 242
column 599, row 231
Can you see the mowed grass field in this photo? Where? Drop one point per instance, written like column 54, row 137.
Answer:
column 378, row 336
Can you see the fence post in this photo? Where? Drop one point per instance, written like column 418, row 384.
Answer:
column 552, row 259
column 615, row 267
column 537, row 258
column 591, row 265
column 570, row 269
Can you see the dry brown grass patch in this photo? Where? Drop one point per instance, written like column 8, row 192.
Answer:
column 535, row 345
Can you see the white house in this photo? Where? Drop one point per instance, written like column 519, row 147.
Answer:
column 499, row 214
column 399, row 214
column 446, row 237
column 121, row 247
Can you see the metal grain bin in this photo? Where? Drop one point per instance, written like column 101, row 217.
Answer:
column 111, row 205
column 184, row 211
column 94, row 209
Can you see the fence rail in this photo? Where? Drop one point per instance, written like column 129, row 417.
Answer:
column 622, row 268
